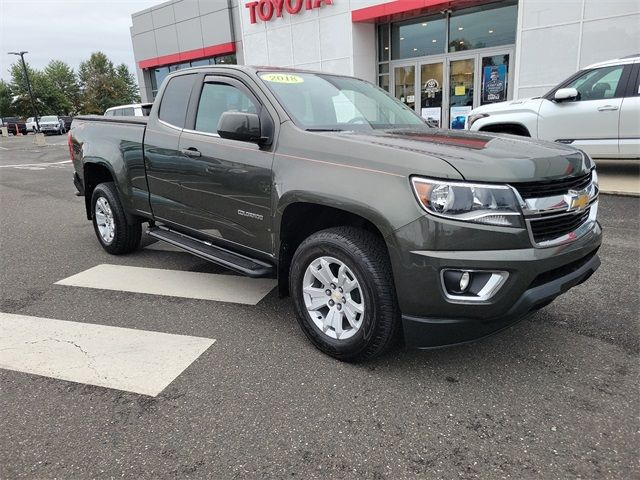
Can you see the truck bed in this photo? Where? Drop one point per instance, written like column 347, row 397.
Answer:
column 101, row 118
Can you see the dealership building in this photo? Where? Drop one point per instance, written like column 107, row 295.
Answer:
column 440, row 57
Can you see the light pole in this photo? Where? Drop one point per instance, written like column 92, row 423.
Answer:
column 26, row 74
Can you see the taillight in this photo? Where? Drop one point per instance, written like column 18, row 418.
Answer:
column 70, row 145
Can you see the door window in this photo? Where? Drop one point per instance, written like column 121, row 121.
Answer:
column 217, row 98
column 597, row 84
column 431, row 84
column 461, row 92
column 405, row 83
column 175, row 100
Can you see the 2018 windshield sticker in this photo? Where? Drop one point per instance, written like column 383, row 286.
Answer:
column 281, row 78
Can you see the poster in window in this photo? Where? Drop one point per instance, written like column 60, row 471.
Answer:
column 432, row 115
column 494, row 84
column 459, row 117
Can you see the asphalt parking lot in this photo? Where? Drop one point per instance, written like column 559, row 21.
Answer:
column 554, row 397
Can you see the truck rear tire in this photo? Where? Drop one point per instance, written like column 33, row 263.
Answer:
column 116, row 235
column 343, row 293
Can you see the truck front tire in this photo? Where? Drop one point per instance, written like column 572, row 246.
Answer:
column 343, row 293
column 114, row 233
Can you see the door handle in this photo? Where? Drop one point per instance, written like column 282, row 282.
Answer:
column 191, row 152
column 607, row 108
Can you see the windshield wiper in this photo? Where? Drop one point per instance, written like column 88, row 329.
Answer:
column 324, row 130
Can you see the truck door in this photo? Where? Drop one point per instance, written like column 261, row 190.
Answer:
column 164, row 162
column 589, row 122
column 225, row 184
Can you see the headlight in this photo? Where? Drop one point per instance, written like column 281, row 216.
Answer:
column 475, row 117
column 469, row 202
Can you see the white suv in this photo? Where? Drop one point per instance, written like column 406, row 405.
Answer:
column 596, row 110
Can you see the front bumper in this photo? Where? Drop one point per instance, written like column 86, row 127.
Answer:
column 438, row 332
column 536, row 277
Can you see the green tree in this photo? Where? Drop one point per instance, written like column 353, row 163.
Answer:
column 6, row 100
column 130, row 92
column 65, row 88
column 104, row 85
column 40, row 87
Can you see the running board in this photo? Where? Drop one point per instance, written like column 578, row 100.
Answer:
column 226, row 258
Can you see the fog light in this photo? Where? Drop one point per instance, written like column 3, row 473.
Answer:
column 472, row 285
column 464, row 281
column 457, row 281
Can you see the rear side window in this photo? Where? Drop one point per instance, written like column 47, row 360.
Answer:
column 216, row 99
column 175, row 100
column 128, row 112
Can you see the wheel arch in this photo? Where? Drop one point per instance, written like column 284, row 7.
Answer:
column 300, row 218
column 513, row 128
column 95, row 173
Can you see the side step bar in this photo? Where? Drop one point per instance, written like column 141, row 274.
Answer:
column 231, row 260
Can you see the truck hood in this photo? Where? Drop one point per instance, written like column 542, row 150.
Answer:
column 477, row 156
column 512, row 106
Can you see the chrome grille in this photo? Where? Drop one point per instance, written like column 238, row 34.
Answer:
column 552, row 226
column 561, row 211
column 552, row 187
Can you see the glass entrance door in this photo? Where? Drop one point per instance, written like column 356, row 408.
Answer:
column 443, row 89
column 461, row 91
column 405, row 84
column 431, row 83
column 495, row 78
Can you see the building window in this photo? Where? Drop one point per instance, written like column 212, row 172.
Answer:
column 418, row 38
column 481, row 27
column 226, row 59
column 383, row 43
column 157, row 75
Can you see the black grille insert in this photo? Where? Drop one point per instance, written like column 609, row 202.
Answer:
column 553, row 226
column 552, row 187
column 559, row 272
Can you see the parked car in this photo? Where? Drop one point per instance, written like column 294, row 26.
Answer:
column 67, row 122
column 31, row 124
column 596, row 110
column 133, row 110
column 14, row 125
column 52, row 124
column 374, row 222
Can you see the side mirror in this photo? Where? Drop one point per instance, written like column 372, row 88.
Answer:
column 244, row 127
column 566, row 94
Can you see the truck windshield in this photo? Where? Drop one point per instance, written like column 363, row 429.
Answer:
column 49, row 118
column 321, row 102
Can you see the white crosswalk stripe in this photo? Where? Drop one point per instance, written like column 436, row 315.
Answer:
column 174, row 283
column 136, row 361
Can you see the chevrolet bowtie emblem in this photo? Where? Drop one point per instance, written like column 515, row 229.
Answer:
column 578, row 200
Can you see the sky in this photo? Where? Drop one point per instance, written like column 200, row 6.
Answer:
column 67, row 30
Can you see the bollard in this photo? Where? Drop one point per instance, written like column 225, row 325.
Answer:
column 39, row 140
column 18, row 132
column 5, row 131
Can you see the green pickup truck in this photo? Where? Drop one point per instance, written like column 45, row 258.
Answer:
column 377, row 225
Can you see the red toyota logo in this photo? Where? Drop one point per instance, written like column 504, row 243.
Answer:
column 264, row 9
